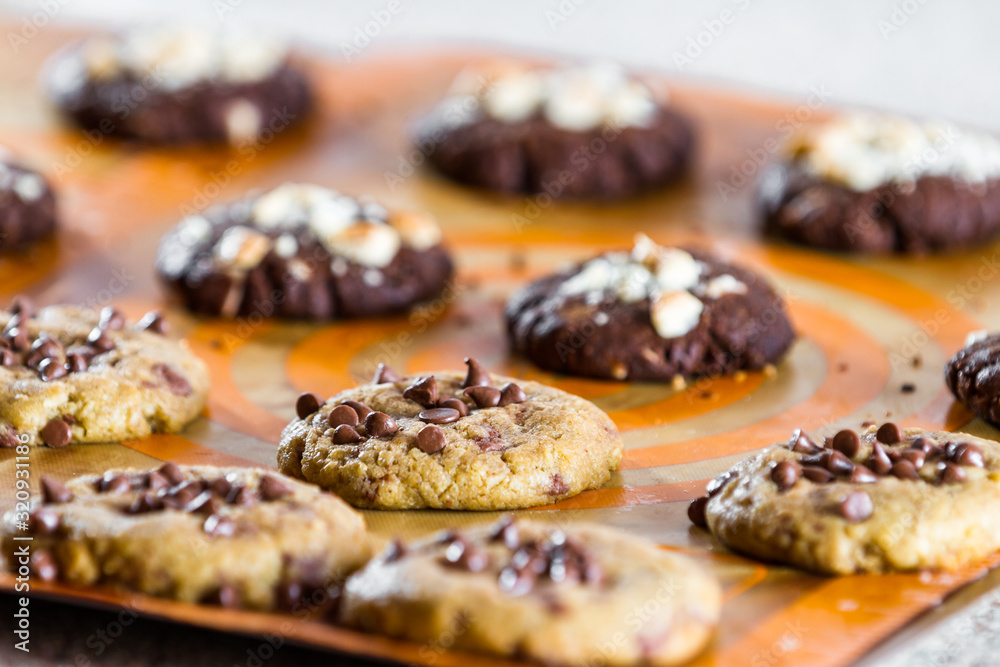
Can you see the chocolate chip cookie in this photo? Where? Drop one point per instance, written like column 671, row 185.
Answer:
column 68, row 374
column 884, row 500
column 448, row 440
column 652, row 314
column 231, row 536
column 560, row 595
column 303, row 251
column 168, row 84
column 973, row 375
column 27, row 204
column 880, row 184
column 574, row 132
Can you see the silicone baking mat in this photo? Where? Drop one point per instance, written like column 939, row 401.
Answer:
column 867, row 328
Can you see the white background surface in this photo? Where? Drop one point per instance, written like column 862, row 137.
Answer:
column 928, row 57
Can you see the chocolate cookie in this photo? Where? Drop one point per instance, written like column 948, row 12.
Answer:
column 72, row 375
column 27, row 205
column 973, row 375
column 303, row 251
column 235, row 537
column 560, row 595
column 652, row 314
column 872, row 184
column 173, row 85
column 885, row 500
column 578, row 133
column 450, row 441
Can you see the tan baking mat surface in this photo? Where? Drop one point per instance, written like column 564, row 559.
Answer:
column 867, row 328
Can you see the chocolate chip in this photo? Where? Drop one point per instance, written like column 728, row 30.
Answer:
column 307, row 404
column 221, row 487
column 76, row 363
column 289, row 595
column 847, row 443
column 172, row 472
column 950, row 473
column 43, row 347
column 17, row 339
column 43, row 565
column 862, row 475
column 114, row 484
column 385, row 374
column 716, row 485
column 225, row 596
column 57, row 433
column 219, row 526
column 360, row 408
column 466, row 556
column 839, row 464
column 484, row 397
column 43, row 521
column 100, row 340
column 111, row 319
column 889, row 433
column 801, row 442
column 903, row 469
column 272, row 488
column 146, row 502
column 424, row 391
column 342, row 414
column 153, row 321
column 395, row 551
column 7, row 358
column 696, row 512
column 51, row 369
column 346, row 435
column 879, row 460
column 785, row 474
column 204, row 503
column 243, row 496
column 455, row 404
column 922, row 444
column 817, row 474
column 177, row 384
column 908, row 388
column 511, row 393
column 477, row 375
column 968, row 454
column 915, row 457
column 506, row 531
column 857, row 506
column 23, row 306
column 380, row 425
column 54, row 491
column 439, row 416
column 430, row 439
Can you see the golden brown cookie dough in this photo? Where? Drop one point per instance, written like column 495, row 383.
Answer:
column 230, row 536
column 482, row 443
column 566, row 595
column 885, row 500
column 68, row 374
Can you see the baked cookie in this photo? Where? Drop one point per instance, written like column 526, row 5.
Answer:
column 27, row 204
column 169, row 85
column 303, row 251
column 450, row 441
column 973, row 375
column 652, row 314
column 578, row 133
column 879, row 184
column 885, row 500
column 238, row 537
column 68, row 374
column 559, row 595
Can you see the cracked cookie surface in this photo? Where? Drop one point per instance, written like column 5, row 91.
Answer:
column 887, row 499
column 71, row 375
column 232, row 536
column 546, row 447
column 562, row 595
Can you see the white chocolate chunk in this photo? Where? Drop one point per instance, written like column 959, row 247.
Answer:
column 514, row 98
column 674, row 269
column 367, row 243
column 243, row 121
column 286, row 246
column 675, row 314
column 976, row 336
column 29, row 187
column 194, row 229
column 417, row 230
column 722, row 285
column 633, row 105
column 241, row 248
